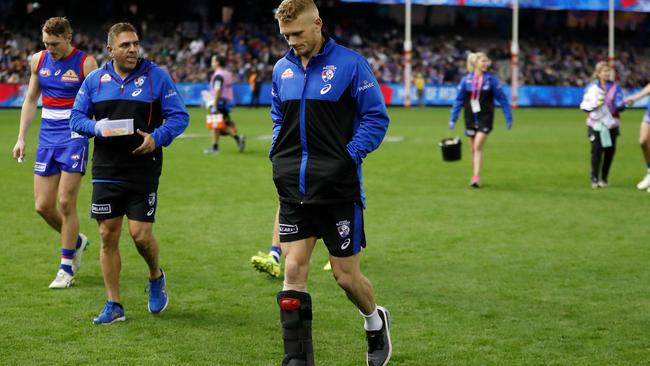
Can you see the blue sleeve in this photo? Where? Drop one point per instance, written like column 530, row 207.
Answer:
column 173, row 110
column 619, row 103
column 503, row 100
column 276, row 112
column 458, row 102
column 371, row 113
column 82, row 111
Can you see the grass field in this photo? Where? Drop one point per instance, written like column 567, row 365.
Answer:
column 535, row 268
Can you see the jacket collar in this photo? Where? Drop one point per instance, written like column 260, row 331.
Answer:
column 142, row 67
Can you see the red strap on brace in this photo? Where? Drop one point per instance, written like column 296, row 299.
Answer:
column 289, row 304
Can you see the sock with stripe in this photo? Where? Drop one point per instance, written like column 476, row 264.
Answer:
column 275, row 252
column 66, row 260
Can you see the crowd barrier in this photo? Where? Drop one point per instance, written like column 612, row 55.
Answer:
column 12, row 95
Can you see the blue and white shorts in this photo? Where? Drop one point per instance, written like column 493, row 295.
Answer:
column 53, row 160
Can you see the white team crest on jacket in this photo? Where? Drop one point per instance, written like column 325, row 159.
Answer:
column 328, row 73
column 287, row 74
column 105, row 78
column 139, row 81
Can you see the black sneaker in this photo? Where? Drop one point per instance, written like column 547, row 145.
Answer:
column 379, row 344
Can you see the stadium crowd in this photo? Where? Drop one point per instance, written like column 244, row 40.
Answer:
column 185, row 51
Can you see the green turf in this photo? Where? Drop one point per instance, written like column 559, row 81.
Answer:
column 535, row 268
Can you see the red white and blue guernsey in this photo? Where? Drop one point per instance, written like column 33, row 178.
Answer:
column 59, row 148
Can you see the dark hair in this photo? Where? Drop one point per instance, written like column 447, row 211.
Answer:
column 220, row 59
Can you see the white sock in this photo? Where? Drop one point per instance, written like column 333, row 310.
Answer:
column 372, row 321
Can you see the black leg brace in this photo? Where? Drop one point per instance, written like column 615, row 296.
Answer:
column 295, row 314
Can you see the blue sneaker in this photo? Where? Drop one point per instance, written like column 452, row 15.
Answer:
column 110, row 314
column 158, row 295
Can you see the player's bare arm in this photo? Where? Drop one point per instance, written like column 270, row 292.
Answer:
column 90, row 64
column 28, row 110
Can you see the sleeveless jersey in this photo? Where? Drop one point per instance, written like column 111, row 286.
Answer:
column 222, row 79
column 59, row 80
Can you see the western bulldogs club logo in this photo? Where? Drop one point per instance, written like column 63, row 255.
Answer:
column 105, row 78
column 75, row 157
column 45, row 72
column 139, row 81
column 328, row 73
column 343, row 227
column 152, row 199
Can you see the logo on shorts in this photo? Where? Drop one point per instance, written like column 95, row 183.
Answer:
column 152, row 199
column 101, row 208
column 288, row 229
column 345, row 244
column 343, row 227
column 75, row 157
column 150, row 212
column 39, row 167
column 75, row 165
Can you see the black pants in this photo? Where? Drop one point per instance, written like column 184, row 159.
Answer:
column 600, row 154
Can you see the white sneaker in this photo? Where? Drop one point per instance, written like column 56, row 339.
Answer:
column 62, row 280
column 645, row 183
column 76, row 260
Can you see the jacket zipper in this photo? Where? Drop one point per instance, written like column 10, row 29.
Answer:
column 303, row 141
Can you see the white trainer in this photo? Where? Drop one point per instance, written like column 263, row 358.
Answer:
column 76, row 260
column 645, row 183
column 62, row 280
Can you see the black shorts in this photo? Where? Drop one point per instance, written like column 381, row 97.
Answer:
column 339, row 225
column 471, row 131
column 137, row 201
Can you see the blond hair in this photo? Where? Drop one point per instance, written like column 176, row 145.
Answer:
column 57, row 26
column 472, row 59
column 599, row 67
column 118, row 28
column 289, row 10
